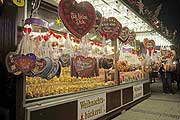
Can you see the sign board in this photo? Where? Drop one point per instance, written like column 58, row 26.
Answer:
column 92, row 107
column 137, row 91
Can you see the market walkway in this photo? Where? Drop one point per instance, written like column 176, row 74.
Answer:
column 158, row 107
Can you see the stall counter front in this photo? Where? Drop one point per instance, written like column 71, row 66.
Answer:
column 97, row 104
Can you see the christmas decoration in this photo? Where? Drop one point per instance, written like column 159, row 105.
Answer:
column 79, row 18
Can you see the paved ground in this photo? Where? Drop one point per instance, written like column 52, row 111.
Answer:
column 158, row 107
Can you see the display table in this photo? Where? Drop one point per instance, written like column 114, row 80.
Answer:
column 95, row 104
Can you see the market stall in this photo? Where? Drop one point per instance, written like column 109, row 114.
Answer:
column 83, row 63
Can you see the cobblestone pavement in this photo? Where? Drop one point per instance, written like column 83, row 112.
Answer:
column 158, row 107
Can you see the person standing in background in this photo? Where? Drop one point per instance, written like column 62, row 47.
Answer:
column 166, row 78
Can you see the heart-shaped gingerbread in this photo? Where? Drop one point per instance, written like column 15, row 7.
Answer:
column 124, row 34
column 110, row 28
column 10, row 63
column 84, row 66
column 25, row 63
column 78, row 18
column 132, row 36
column 149, row 44
column 65, row 60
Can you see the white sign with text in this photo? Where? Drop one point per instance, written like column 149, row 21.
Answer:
column 137, row 91
column 92, row 107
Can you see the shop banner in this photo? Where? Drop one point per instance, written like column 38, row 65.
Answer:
column 92, row 107
column 137, row 91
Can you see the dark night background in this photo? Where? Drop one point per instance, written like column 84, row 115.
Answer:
column 169, row 14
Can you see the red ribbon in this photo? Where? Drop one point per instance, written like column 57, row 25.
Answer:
column 27, row 30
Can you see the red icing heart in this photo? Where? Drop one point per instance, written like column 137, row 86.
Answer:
column 24, row 63
column 84, row 66
column 110, row 28
column 78, row 18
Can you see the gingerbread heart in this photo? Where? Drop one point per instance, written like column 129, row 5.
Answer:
column 124, row 34
column 149, row 44
column 65, row 60
column 132, row 36
column 39, row 66
column 78, row 18
column 10, row 63
column 25, row 63
column 84, row 66
column 54, row 70
column 110, row 28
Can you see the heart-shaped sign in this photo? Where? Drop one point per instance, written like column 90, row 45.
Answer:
column 53, row 71
column 39, row 66
column 78, row 18
column 124, row 34
column 110, row 28
column 132, row 36
column 84, row 66
column 10, row 63
column 65, row 60
column 149, row 44
column 24, row 63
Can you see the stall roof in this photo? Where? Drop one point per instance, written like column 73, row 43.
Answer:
column 127, row 17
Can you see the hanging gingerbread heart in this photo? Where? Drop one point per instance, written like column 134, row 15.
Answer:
column 10, row 63
column 65, row 60
column 53, row 71
column 79, row 18
column 25, row 63
column 132, row 36
column 84, row 66
column 124, row 34
column 40, row 66
column 110, row 28
column 149, row 44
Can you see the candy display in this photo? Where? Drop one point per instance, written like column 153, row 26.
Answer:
column 38, row 87
column 127, row 77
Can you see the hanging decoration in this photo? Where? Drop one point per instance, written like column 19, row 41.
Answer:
column 110, row 28
column 141, row 7
column 79, row 18
column 123, row 37
column 132, row 36
column 19, row 3
column 167, row 54
column 84, row 66
column 58, row 21
column 149, row 45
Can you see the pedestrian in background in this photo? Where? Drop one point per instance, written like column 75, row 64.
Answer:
column 166, row 78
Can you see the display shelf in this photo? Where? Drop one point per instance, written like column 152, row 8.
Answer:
column 124, row 96
column 72, row 96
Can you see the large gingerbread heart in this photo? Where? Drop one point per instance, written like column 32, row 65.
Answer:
column 110, row 28
column 84, row 66
column 78, row 18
